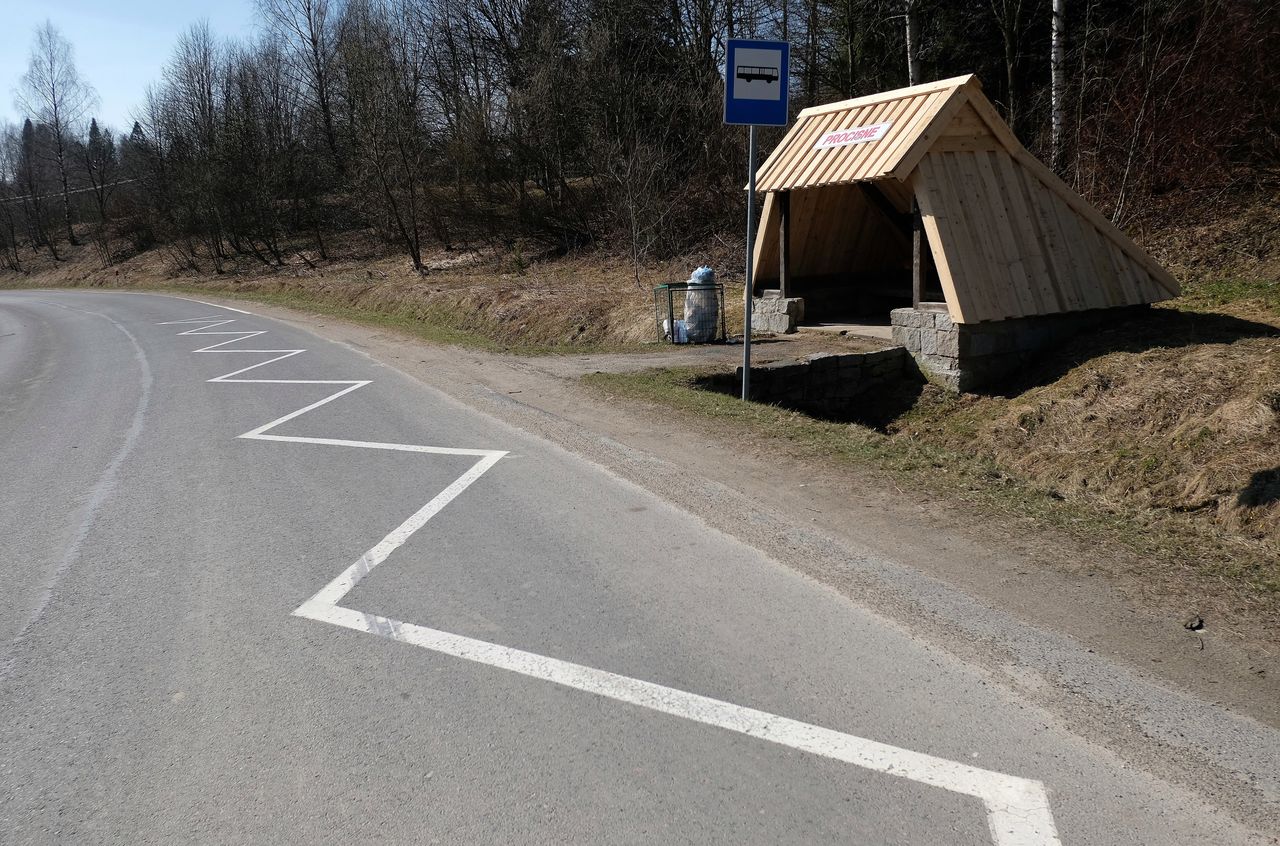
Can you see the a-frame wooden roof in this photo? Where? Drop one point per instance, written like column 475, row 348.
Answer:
column 913, row 118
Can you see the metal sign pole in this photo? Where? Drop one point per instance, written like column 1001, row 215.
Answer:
column 749, row 286
column 756, row 85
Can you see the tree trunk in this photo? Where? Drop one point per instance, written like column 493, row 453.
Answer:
column 913, row 42
column 1057, row 62
column 811, row 60
column 60, row 147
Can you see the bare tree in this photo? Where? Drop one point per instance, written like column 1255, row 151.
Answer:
column 1008, row 17
column 637, row 174
column 384, row 57
column 811, row 60
column 10, row 144
column 32, row 178
column 194, row 86
column 100, row 166
column 53, row 92
column 307, row 28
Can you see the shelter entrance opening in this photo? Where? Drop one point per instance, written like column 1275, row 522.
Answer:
column 852, row 252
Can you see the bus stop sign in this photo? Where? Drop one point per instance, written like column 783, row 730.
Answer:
column 755, row 85
column 755, row 94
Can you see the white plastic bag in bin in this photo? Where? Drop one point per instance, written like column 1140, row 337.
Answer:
column 701, row 313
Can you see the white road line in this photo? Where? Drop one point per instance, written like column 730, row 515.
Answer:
column 215, row 305
column 97, row 495
column 187, row 299
column 1017, row 809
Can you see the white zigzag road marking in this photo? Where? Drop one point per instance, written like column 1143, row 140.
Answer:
column 1017, row 809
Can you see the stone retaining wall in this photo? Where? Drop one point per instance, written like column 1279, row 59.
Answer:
column 965, row 356
column 827, row 383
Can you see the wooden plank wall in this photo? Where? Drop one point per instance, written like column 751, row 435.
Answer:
column 833, row 230
column 1008, row 246
column 764, row 259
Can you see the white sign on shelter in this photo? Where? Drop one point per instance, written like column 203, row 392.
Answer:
column 855, row 135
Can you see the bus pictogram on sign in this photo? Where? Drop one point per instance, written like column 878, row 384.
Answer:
column 751, row 73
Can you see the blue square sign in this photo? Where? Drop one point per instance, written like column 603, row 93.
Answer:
column 755, row 85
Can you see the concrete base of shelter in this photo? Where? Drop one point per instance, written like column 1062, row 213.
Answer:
column 827, row 383
column 775, row 313
column 968, row 356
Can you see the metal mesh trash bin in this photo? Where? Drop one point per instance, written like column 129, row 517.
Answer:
column 689, row 312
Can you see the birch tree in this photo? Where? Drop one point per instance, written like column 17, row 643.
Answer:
column 909, row 12
column 53, row 92
column 1057, row 82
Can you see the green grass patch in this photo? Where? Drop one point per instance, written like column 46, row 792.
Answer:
column 1219, row 293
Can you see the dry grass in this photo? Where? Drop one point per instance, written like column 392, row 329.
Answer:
column 513, row 300
column 1225, row 239
column 1177, row 412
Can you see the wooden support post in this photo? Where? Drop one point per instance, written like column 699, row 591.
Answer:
column 917, row 255
column 784, row 243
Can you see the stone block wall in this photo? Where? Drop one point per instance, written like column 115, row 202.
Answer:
column 933, row 341
column 773, row 313
column 827, row 383
column 966, row 356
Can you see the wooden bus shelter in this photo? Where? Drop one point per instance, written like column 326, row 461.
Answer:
column 925, row 195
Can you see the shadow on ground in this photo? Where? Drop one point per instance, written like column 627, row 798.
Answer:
column 875, row 409
column 880, row 407
column 1153, row 328
column 1263, row 489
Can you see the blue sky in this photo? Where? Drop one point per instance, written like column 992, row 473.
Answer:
column 120, row 46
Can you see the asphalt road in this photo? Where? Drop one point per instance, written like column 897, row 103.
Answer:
column 392, row 619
